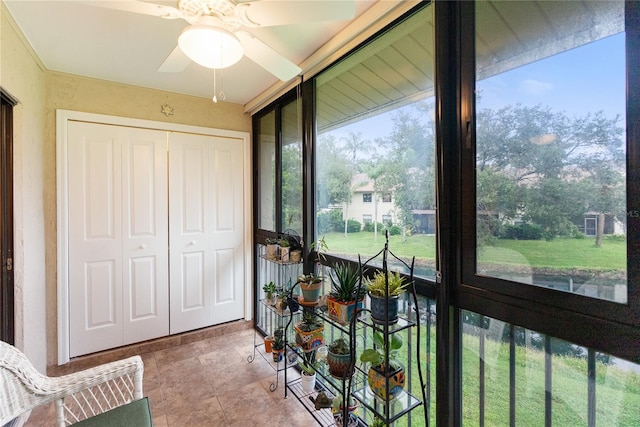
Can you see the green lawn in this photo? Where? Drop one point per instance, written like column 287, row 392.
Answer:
column 560, row 253
column 617, row 390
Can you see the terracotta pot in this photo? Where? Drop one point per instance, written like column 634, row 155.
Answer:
column 268, row 342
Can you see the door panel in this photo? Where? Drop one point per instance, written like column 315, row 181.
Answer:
column 102, row 293
column 206, row 210
column 95, row 243
column 227, row 237
column 145, row 237
column 118, row 280
column 189, row 258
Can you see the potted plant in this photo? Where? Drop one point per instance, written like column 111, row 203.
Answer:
column 308, row 371
column 295, row 255
column 339, row 359
column 338, row 411
column 310, row 285
column 378, row 422
column 277, row 348
column 284, row 249
column 272, row 247
column 384, row 291
column 386, row 380
column 346, row 295
column 269, row 290
column 268, row 343
column 309, row 331
column 281, row 299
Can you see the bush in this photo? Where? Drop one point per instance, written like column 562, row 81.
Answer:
column 353, row 226
column 329, row 221
column 522, row 232
column 369, row 227
column 395, row 230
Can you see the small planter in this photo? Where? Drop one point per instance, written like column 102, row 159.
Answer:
column 272, row 251
column 284, row 254
column 377, row 380
column 310, row 340
column 311, row 291
column 379, row 307
column 308, row 382
column 268, row 342
column 353, row 419
column 278, row 355
column 339, row 365
column 295, row 256
column 342, row 312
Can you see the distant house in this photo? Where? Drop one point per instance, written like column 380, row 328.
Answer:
column 590, row 226
column 366, row 204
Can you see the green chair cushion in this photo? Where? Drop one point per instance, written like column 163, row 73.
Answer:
column 133, row 414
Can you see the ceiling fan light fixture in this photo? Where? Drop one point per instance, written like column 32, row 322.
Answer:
column 209, row 46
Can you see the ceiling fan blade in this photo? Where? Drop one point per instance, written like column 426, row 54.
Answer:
column 140, row 7
column 266, row 57
column 176, row 62
column 265, row 13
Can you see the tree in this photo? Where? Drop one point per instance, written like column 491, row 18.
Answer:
column 407, row 168
column 548, row 168
column 353, row 146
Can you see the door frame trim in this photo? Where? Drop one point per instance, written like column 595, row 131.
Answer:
column 63, row 117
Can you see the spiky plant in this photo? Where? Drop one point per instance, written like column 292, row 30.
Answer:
column 344, row 283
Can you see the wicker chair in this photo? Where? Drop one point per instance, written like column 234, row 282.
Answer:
column 77, row 396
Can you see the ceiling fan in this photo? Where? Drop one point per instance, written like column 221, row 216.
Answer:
column 217, row 35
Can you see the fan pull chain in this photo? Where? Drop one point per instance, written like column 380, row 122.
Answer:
column 223, row 97
column 215, row 98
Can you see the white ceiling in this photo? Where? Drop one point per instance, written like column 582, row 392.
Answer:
column 77, row 38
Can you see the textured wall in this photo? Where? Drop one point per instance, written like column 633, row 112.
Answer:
column 23, row 77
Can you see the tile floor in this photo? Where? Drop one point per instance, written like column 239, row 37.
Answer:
column 205, row 382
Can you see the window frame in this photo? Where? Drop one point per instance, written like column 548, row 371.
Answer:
column 276, row 106
column 550, row 311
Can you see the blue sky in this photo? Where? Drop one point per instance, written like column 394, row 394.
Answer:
column 578, row 81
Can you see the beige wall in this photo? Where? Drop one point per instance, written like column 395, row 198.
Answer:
column 23, row 77
column 40, row 93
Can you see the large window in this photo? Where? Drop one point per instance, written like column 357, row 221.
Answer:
column 375, row 143
column 292, row 168
column 551, row 145
column 266, row 142
column 279, row 178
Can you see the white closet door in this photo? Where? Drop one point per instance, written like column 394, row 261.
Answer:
column 117, row 236
column 206, row 230
column 145, row 236
column 227, row 236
